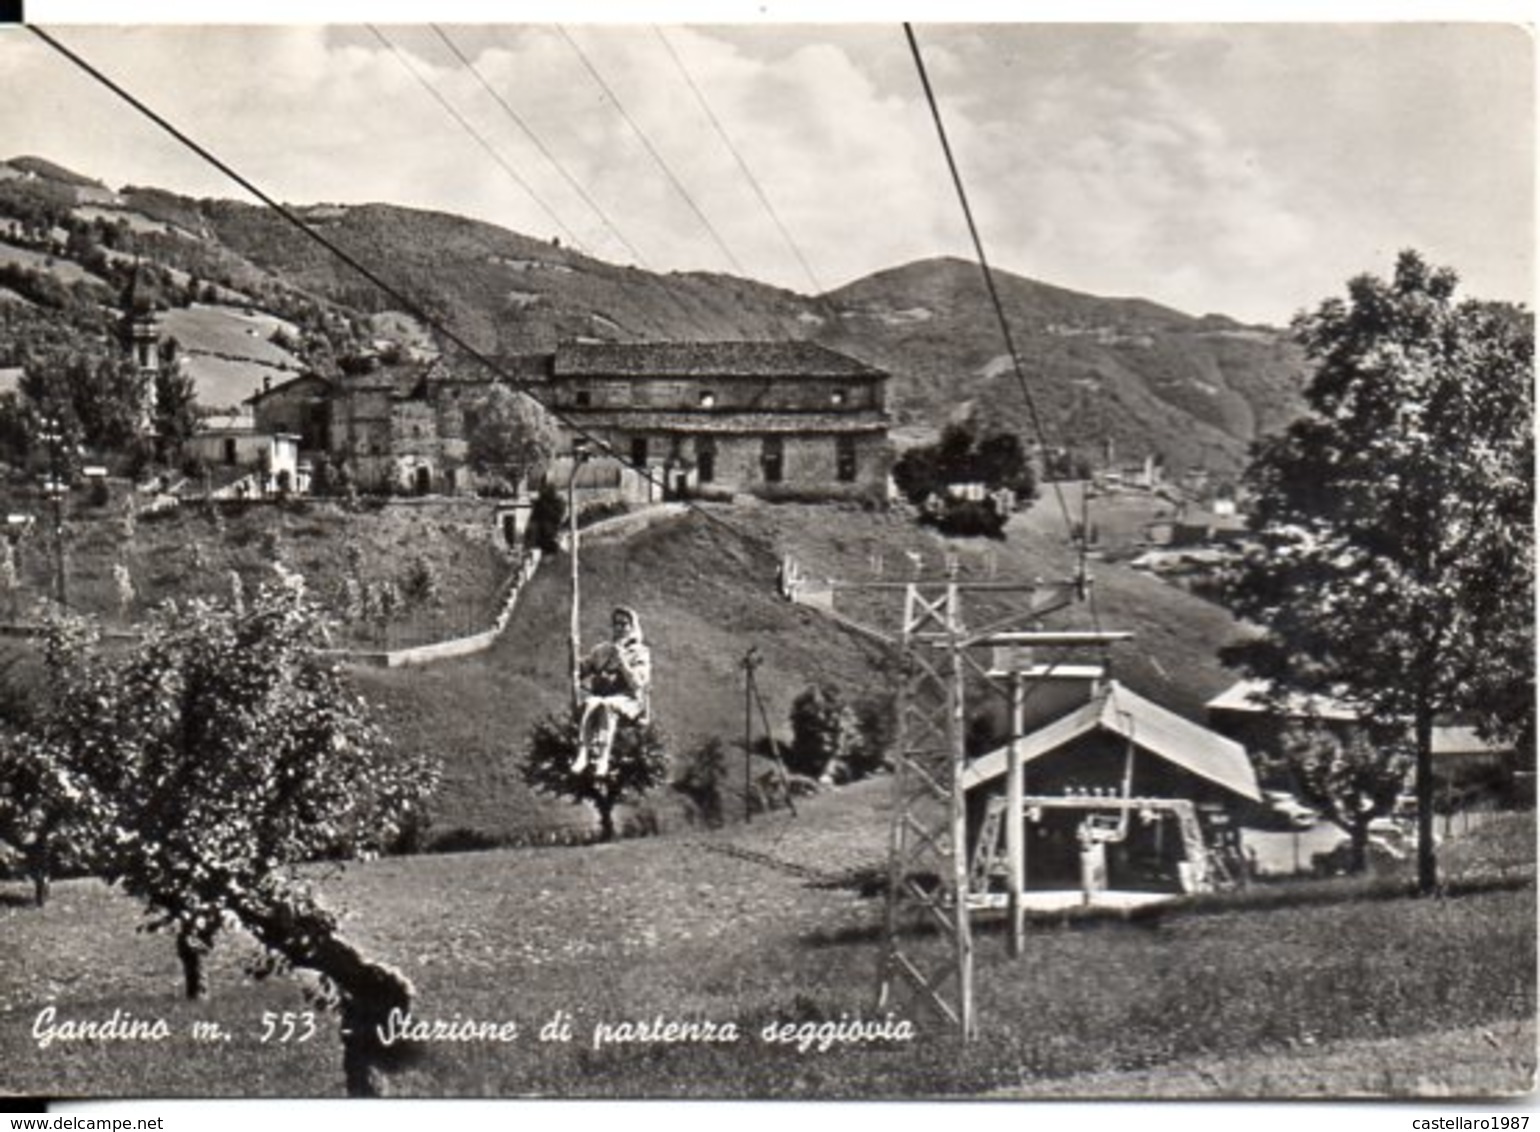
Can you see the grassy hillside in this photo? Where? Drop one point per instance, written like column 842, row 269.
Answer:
column 193, row 551
column 229, row 351
column 501, row 291
column 704, row 594
column 705, row 590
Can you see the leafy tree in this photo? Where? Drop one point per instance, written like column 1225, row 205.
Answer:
column 209, row 763
column 123, row 583
column 877, row 721
column 102, row 399
column 1392, row 560
column 509, row 434
column 832, row 740
column 638, row 765
column 1002, row 462
column 1352, row 777
column 15, row 428
column 176, row 403
column 39, row 809
column 996, row 461
column 824, row 732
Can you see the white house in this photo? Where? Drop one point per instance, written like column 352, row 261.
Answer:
column 244, row 463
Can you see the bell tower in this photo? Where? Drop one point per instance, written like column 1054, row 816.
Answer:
column 139, row 331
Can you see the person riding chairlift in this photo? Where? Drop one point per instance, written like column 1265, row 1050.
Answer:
column 615, row 677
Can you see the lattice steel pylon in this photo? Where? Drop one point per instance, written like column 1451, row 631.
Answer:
column 928, row 882
column 927, row 860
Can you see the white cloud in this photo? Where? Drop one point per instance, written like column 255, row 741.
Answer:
column 1249, row 170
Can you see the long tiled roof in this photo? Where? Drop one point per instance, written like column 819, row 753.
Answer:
column 1121, row 711
column 728, row 422
column 708, row 359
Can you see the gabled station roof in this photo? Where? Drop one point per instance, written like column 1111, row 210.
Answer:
column 1119, row 710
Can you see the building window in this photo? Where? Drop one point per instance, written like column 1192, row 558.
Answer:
column 706, row 459
column 639, row 451
column 229, row 449
column 708, row 399
column 845, row 459
column 837, row 397
column 582, row 398
column 773, row 457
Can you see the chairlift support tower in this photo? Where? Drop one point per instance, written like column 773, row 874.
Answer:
column 928, row 881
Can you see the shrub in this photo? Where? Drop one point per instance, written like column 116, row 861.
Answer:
column 545, row 520
column 701, row 780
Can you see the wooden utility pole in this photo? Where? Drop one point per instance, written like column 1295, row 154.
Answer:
column 749, row 660
column 1015, row 835
column 53, row 436
column 574, row 645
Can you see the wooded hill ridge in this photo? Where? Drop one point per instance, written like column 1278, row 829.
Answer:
column 1154, row 381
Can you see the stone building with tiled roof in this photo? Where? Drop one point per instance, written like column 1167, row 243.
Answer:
column 396, row 428
column 758, row 417
column 680, row 418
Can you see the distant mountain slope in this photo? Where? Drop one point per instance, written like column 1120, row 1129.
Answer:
column 1147, row 378
column 502, row 291
column 1151, row 379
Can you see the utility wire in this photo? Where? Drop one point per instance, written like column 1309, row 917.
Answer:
column 545, row 151
column 651, row 149
column 576, row 185
column 989, row 279
column 476, row 136
column 405, row 302
column 738, row 157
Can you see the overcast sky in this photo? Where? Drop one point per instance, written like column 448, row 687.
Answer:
column 1244, row 169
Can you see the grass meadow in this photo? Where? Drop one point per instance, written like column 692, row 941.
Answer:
column 775, row 922
column 675, row 927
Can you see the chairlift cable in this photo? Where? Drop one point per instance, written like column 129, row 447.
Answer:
column 410, row 306
column 540, row 145
column 743, row 165
column 988, row 273
column 652, row 150
column 575, row 184
column 475, row 135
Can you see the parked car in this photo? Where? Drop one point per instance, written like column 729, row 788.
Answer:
column 1390, row 842
column 1281, row 810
